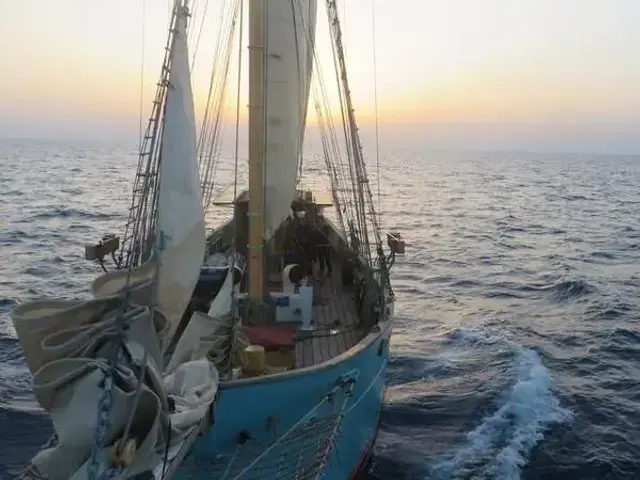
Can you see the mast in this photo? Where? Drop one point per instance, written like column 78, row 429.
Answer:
column 256, row 153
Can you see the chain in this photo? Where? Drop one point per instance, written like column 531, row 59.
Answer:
column 104, row 409
column 108, row 385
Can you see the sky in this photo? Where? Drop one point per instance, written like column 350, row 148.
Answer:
column 551, row 74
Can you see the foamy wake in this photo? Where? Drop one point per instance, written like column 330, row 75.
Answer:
column 498, row 448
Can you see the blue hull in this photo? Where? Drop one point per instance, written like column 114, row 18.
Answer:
column 317, row 422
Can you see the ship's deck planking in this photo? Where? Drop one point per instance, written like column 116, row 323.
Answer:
column 335, row 319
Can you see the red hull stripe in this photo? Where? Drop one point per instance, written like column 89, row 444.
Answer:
column 363, row 464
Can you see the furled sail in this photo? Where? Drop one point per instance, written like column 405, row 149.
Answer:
column 67, row 344
column 289, row 27
column 211, row 332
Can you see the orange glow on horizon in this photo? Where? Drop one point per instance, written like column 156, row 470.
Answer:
column 458, row 61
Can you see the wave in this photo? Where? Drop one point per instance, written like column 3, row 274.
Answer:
column 13, row 237
column 569, row 289
column 563, row 290
column 60, row 212
column 498, row 447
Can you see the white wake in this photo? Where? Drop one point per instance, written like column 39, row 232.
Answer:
column 498, row 448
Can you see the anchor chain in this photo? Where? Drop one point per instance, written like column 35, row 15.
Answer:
column 104, row 409
column 102, row 425
column 107, row 385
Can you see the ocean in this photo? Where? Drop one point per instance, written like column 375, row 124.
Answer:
column 516, row 347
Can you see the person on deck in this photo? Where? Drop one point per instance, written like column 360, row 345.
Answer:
column 304, row 241
column 323, row 252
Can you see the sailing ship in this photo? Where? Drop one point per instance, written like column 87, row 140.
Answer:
column 257, row 351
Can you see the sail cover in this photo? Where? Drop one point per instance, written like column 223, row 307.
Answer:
column 289, row 30
column 67, row 344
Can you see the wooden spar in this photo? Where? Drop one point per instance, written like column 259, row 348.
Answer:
column 256, row 152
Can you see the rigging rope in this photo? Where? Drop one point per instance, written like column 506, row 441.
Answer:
column 365, row 219
column 362, row 193
column 144, row 15
column 197, row 43
column 232, row 266
column 212, row 126
column 331, row 149
column 375, row 103
column 140, row 225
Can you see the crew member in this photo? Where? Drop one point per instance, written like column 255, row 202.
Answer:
column 323, row 251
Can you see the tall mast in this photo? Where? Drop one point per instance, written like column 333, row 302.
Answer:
column 256, row 153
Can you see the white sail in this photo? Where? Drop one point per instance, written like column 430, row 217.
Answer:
column 289, row 27
column 180, row 233
column 64, row 341
column 180, row 239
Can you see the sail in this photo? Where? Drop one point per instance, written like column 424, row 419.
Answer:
column 180, row 231
column 67, row 344
column 180, row 238
column 289, row 28
column 211, row 332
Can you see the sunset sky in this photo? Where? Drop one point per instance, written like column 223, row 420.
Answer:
column 506, row 72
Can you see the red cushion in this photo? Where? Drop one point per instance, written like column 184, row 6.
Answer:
column 270, row 336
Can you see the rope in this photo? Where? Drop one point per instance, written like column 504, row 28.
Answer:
column 363, row 198
column 140, row 222
column 304, row 419
column 232, row 266
column 197, row 42
column 375, row 102
column 104, row 404
column 136, row 396
column 231, row 462
column 140, row 131
column 165, row 460
column 212, row 125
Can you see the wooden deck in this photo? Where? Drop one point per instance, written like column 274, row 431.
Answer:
column 335, row 321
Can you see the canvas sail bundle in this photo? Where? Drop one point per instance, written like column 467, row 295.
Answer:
column 67, row 344
column 211, row 331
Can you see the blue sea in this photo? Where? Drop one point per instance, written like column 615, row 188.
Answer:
column 516, row 352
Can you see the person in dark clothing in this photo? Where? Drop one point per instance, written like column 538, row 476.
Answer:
column 323, row 249
column 304, row 247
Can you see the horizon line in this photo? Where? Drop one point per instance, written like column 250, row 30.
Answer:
column 130, row 140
